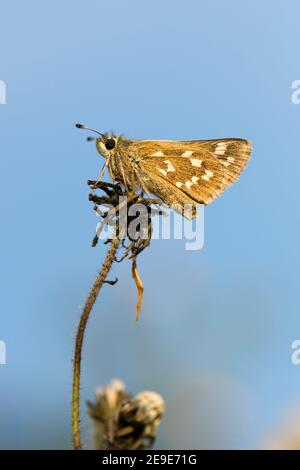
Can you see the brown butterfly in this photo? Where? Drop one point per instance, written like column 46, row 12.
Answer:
column 181, row 173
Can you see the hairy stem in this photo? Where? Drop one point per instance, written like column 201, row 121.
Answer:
column 100, row 279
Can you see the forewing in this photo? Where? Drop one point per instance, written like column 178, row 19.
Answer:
column 201, row 169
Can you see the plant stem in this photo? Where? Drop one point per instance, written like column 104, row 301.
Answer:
column 99, row 281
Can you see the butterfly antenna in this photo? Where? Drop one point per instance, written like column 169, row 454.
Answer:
column 81, row 126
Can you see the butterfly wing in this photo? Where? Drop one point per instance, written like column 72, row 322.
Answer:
column 200, row 169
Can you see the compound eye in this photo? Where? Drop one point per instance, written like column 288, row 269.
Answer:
column 110, row 144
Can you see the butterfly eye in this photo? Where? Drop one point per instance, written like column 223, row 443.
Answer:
column 110, row 144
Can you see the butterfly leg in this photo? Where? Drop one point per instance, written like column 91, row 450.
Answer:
column 108, row 188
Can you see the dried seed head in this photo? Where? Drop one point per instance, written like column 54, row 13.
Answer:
column 125, row 422
column 145, row 408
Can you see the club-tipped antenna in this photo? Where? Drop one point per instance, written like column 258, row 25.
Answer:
column 81, row 126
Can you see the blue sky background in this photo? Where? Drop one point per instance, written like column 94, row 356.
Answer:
column 216, row 327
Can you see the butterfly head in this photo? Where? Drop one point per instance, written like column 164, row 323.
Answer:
column 105, row 143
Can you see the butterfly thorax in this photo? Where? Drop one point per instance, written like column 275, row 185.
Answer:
column 123, row 162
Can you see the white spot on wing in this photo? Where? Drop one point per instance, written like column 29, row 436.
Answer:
column 163, row 171
column 228, row 161
column 157, row 154
column 207, row 176
column 187, row 153
column 188, row 184
column 178, row 184
column 196, row 162
column 170, row 166
column 194, row 179
column 221, row 148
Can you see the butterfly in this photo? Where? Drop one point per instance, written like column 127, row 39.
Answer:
column 182, row 174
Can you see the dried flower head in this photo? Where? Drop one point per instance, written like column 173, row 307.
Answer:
column 125, row 422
